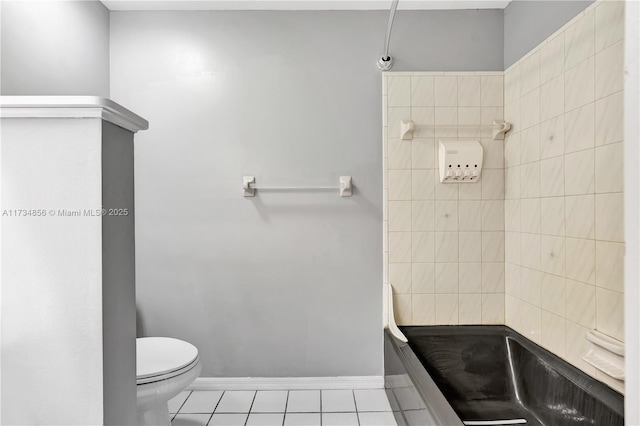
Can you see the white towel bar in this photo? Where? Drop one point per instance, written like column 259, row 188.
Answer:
column 249, row 187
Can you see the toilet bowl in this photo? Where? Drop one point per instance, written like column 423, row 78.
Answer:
column 164, row 368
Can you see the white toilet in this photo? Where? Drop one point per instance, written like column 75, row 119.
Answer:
column 164, row 367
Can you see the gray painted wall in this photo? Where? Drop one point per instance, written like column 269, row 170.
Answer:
column 118, row 278
column 54, row 48
column 529, row 22
column 284, row 284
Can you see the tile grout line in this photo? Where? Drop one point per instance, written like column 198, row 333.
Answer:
column 216, row 407
column 250, row 407
column 286, row 402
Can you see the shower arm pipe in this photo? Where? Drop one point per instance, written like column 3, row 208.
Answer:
column 385, row 63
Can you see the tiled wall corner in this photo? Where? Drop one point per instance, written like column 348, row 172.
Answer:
column 564, row 236
column 444, row 243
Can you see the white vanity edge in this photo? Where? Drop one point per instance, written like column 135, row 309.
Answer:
column 71, row 107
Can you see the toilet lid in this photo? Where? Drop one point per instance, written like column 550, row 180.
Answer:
column 157, row 356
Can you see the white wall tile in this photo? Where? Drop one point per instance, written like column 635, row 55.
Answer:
column 552, row 59
column 423, row 153
column 553, row 294
column 531, row 286
column 552, row 254
column 579, row 128
column 552, row 177
column 530, row 73
column 470, row 308
column 512, row 85
column 470, row 215
column 399, row 182
column 399, row 91
column 402, row 309
column 579, row 83
column 530, row 109
column 422, row 91
column 609, row 161
column 394, row 116
column 552, row 137
column 447, row 309
column 470, row 247
column 399, row 154
column 553, row 333
column 610, row 70
column 493, row 215
column 609, row 119
column 493, row 246
column 444, row 240
column 531, row 322
column 493, row 277
column 530, row 215
column 530, row 144
column 399, row 216
column 399, row 246
column 512, row 247
column 610, row 217
column 610, row 313
column 422, row 216
column 469, row 116
column 491, row 88
column 446, row 89
column 492, row 182
column 446, row 215
column 579, row 172
column 580, row 216
column 423, row 119
column 447, row 191
column 468, row 90
column 469, row 277
column 446, row 246
column 512, row 215
column 446, row 116
column 609, row 24
column 512, row 150
column 493, row 306
column 581, row 303
column 610, row 265
column 423, row 184
column 493, row 156
column 422, row 247
column 530, row 180
column 530, row 250
column 470, row 191
column 446, row 278
column 581, row 258
column 423, row 309
column 579, row 40
column 552, row 217
column 423, row 278
column 400, row 277
column 552, row 98
column 512, row 115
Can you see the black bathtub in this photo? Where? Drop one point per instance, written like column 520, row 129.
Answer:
column 490, row 375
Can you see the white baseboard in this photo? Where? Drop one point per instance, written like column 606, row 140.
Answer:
column 287, row 383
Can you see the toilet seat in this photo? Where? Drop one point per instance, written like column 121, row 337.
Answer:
column 161, row 358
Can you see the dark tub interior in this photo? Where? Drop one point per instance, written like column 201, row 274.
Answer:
column 493, row 373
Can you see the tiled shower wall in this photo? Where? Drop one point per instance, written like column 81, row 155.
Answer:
column 563, row 187
column 443, row 243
